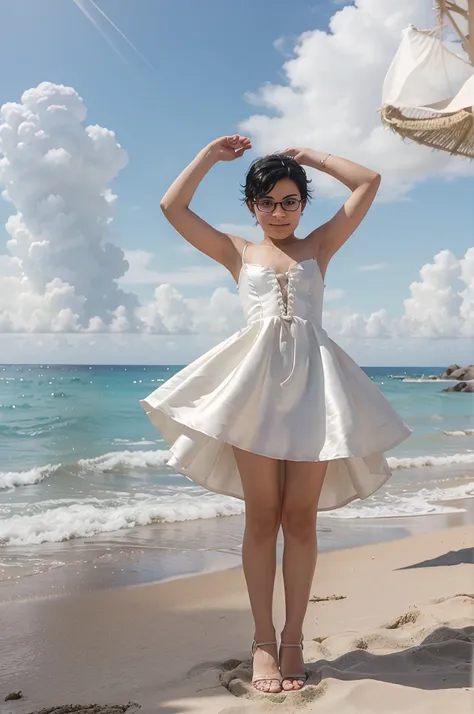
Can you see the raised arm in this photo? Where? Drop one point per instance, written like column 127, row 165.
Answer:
column 362, row 182
column 175, row 203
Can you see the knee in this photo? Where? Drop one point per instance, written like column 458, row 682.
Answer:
column 263, row 523
column 299, row 523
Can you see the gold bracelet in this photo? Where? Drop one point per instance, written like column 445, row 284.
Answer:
column 323, row 161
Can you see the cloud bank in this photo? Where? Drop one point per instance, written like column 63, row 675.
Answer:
column 63, row 273
column 55, row 172
column 331, row 98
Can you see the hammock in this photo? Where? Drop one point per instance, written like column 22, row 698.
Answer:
column 428, row 92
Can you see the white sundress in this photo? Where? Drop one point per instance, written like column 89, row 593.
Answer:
column 282, row 388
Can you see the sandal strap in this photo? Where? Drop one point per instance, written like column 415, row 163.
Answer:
column 303, row 677
column 291, row 644
column 261, row 677
column 256, row 644
column 282, row 644
column 292, row 675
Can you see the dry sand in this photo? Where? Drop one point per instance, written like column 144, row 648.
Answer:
column 398, row 637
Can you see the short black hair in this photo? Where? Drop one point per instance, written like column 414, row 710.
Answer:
column 264, row 173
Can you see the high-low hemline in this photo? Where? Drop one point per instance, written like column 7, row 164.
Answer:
column 162, row 420
column 282, row 388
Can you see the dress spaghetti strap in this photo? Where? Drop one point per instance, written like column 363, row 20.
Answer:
column 243, row 252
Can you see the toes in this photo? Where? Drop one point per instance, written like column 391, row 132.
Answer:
column 269, row 687
column 292, row 684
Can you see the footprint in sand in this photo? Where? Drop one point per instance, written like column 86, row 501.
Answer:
column 424, row 653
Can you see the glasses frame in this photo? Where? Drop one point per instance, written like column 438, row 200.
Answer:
column 278, row 203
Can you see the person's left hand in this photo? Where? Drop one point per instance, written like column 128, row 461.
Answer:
column 298, row 153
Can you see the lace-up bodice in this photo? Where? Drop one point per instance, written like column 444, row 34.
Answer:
column 296, row 293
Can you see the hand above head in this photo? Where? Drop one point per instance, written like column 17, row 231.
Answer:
column 228, row 148
column 299, row 154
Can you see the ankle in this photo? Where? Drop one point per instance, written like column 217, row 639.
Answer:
column 265, row 634
column 291, row 635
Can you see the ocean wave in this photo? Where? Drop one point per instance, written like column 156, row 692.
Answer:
column 460, row 432
column 114, row 461
column 420, row 380
column 420, row 462
column 119, row 460
column 92, row 516
column 83, row 520
column 424, row 502
column 453, row 493
column 142, row 442
column 13, row 479
column 126, row 461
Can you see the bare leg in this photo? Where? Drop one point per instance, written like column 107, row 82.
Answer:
column 260, row 483
column 303, row 484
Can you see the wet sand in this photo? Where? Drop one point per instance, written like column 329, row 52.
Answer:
column 165, row 551
column 400, row 639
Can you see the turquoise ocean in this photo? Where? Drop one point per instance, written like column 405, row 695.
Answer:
column 83, row 475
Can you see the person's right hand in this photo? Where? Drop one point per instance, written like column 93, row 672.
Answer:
column 228, row 148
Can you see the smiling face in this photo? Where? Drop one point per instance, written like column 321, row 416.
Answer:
column 276, row 190
column 279, row 211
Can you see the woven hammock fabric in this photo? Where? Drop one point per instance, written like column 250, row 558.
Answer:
column 428, row 93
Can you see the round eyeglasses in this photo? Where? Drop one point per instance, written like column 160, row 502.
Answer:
column 268, row 205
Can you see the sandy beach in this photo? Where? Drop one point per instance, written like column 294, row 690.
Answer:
column 397, row 637
column 201, row 328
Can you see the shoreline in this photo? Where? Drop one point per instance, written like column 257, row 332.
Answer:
column 106, row 566
column 169, row 647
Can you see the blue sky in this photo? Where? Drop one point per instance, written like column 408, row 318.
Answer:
column 204, row 57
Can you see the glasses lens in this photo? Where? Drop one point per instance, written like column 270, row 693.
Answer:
column 290, row 204
column 266, row 205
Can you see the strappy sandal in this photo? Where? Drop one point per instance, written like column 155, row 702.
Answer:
column 256, row 678
column 298, row 676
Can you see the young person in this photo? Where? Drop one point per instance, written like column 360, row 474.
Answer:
column 277, row 414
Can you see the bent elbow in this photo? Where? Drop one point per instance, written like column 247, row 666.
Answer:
column 164, row 205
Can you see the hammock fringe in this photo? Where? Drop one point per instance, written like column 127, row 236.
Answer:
column 451, row 132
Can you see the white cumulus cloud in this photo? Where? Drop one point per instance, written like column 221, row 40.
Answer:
column 55, row 172
column 442, row 301
column 441, row 305
column 63, row 274
column 332, row 93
